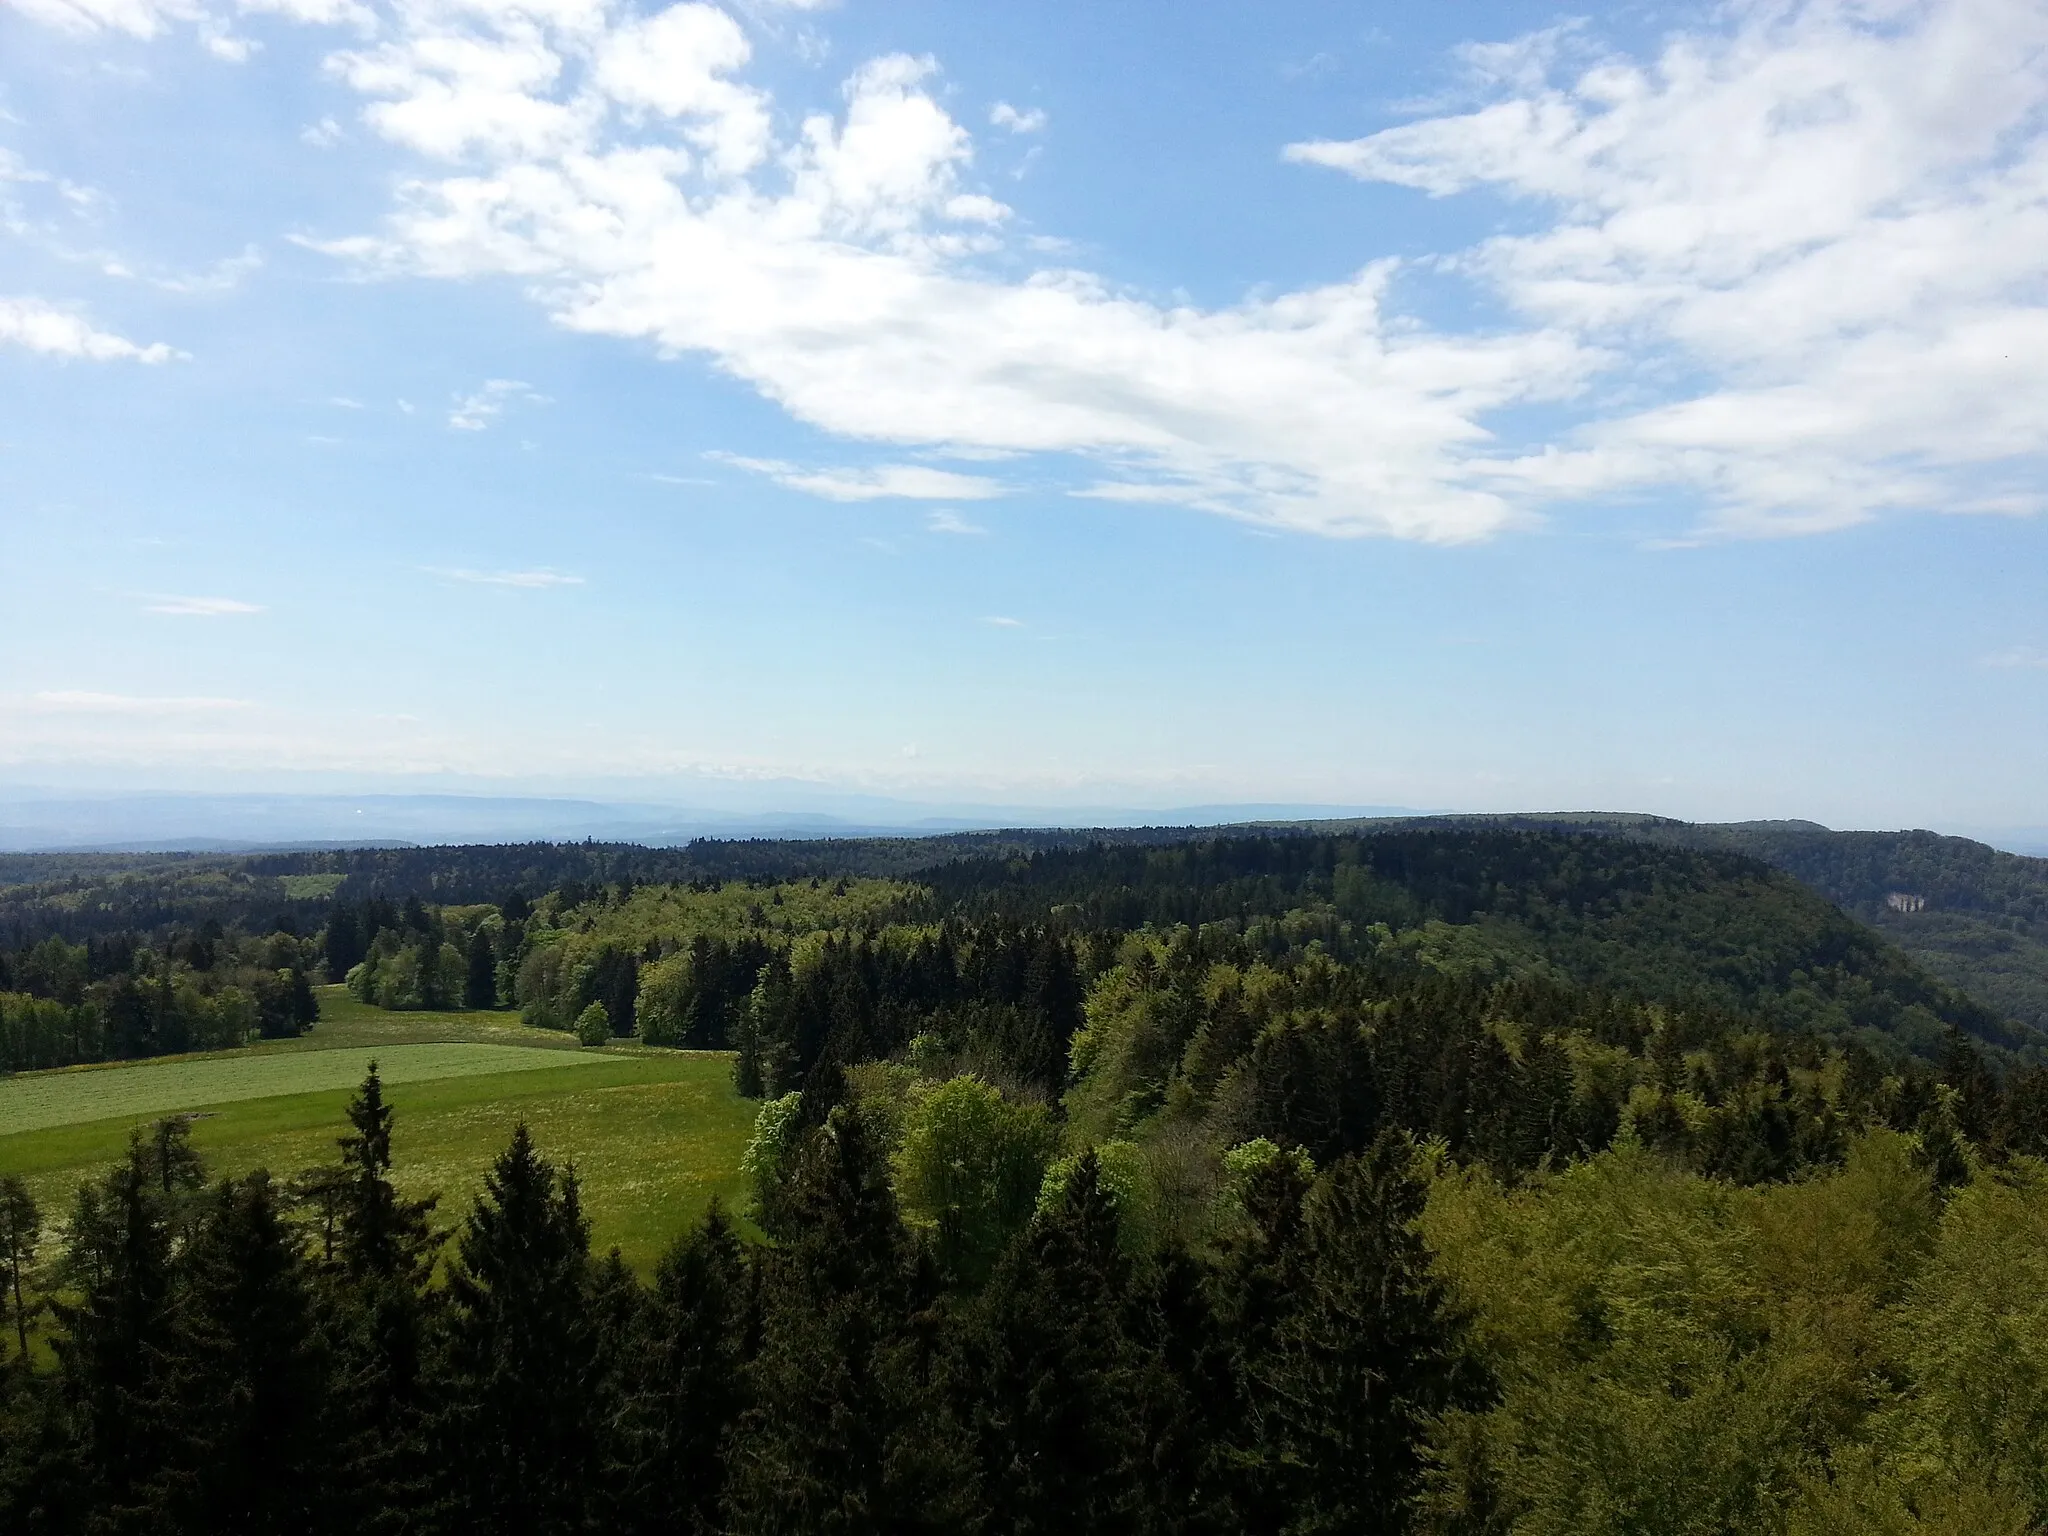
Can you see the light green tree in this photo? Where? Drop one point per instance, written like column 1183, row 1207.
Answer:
column 594, row 1025
column 969, row 1168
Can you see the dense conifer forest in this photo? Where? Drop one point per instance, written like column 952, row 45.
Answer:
column 1440, row 1180
column 1970, row 915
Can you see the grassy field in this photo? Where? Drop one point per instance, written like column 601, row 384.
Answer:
column 654, row 1134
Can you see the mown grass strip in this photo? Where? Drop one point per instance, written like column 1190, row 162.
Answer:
column 38, row 1101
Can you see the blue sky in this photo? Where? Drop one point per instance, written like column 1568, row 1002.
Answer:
column 1478, row 407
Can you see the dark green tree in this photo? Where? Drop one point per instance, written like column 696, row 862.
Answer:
column 686, row 1383
column 1256, row 1289
column 379, row 1319
column 381, row 1234
column 1371, row 1354
column 1188, row 1401
column 847, row 1432
column 1059, row 1389
column 21, row 1227
column 244, row 1390
column 519, row 1431
column 480, row 975
column 111, row 1349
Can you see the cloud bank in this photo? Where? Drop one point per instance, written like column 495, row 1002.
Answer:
column 1785, row 274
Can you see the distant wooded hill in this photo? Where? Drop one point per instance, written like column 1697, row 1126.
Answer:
column 1972, row 915
column 1652, row 907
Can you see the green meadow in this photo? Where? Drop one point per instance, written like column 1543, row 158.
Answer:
column 653, row 1134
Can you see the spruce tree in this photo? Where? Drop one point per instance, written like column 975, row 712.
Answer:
column 1371, row 1354
column 519, row 1431
column 685, row 1383
column 111, row 1351
column 1059, row 1392
column 244, row 1391
column 1187, row 1418
column 381, row 1234
column 480, row 979
column 847, row 1433
column 379, row 1316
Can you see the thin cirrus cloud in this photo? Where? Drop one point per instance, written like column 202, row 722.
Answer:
column 40, row 327
column 1001, row 621
column 1780, row 273
column 947, row 521
column 909, row 482
column 201, row 607
column 2019, row 656
column 474, row 412
column 534, row 580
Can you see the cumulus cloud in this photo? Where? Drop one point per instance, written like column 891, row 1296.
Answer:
column 1003, row 115
column 201, row 607
column 1786, row 269
column 1840, row 237
column 55, row 332
column 530, row 580
column 909, row 482
column 835, row 271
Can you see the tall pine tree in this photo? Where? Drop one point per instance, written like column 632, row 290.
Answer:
column 519, row 1431
column 1373, row 1351
column 847, row 1433
column 685, row 1384
column 244, row 1392
column 1059, row 1388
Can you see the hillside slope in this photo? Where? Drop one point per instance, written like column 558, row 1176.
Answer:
column 1697, row 927
column 1972, row 915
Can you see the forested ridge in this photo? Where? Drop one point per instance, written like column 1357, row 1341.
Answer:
column 1455, row 1180
column 1980, row 922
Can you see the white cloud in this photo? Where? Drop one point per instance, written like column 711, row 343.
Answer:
column 324, row 13
column 1788, row 268
column 2026, row 656
column 674, row 63
column 474, row 412
column 910, row 482
column 201, row 607
column 134, row 18
column 58, row 332
column 999, row 622
column 1003, row 115
column 837, row 278
column 1841, row 236
column 152, row 18
column 224, row 276
column 946, row 521
column 76, row 700
column 530, row 580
